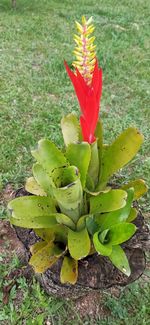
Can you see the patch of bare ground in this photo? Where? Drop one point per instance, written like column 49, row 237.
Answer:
column 7, row 194
column 92, row 305
column 8, row 244
column 9, row 241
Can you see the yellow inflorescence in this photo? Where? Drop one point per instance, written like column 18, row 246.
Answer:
column 85, row 49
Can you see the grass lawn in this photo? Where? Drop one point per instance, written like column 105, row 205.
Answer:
column 35, row 39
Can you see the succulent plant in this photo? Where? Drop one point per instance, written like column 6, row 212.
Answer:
column 73, row 209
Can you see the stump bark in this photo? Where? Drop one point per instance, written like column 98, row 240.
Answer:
column 95, row 272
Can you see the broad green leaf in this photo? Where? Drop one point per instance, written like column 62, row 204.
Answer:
column 120, row 233
column 119, row 153
column 110, row 201
column 95, row 193
column 31, row 207
column 70, row 199
column 33, row 187
column 49, row 156
column 93, row 170
column 78, row 243
column 65, row 220
column 139, row 186
column 79, row 155
column 57, row 232
column 103, row 249
column 69, row 175
column 119, row 259
column 43, row 179
column 106, row 220
column 45, row 257
column 70, row 129
column 103, row 236
column 90, row 186
column 132, row 216
column 35, row 222
column 37, row 246
column 64, row 176
column 47, row 234
column 99, row 136
column 82, row 221
column 69, row 270
column 91, row 225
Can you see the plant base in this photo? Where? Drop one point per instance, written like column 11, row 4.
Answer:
column 95, row 272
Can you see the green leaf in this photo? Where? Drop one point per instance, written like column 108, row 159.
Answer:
column 70, row 199
column 37, row 246
column 78, row 243
column 90, row 186
column 91, row 224
column 106, row 220
column 119, row 153
column 79, row 155
column 68, row 176
column 69, row 270
column 110, row 201
column 65, row 220
column 49, row 156
column 47, row 234
column 35, row 222
column 64, row 176
column 70, row 129
column 33, row 187
column 119, row 259
column 45, row 257
column 33, row 212
column 99, row 136
column 43, row 179
column 103, row 249
column 95, row 193
column 93, row 170
column 139, row 186
column 31, row 206
column 132, row 216
column 103, row 236
column 120, row 233
column 82, row 222
column 57, row 232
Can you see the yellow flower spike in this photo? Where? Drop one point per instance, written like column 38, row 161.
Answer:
column 85, row 49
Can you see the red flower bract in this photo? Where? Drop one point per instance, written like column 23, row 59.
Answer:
column 89, row 100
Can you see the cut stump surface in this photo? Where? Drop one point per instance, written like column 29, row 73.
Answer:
column 95, row 272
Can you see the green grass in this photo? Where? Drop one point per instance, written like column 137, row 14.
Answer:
column 36, row 93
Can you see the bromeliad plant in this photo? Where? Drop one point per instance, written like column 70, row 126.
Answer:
column 72, row 208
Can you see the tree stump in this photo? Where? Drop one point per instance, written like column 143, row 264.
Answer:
column 95, row 272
